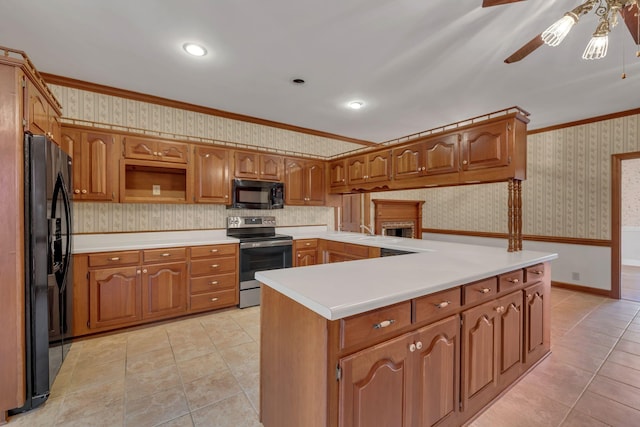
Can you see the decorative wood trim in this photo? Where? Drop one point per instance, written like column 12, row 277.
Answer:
column 534, row 238
column 137, row 96
column 586, row 121
column 585, row 289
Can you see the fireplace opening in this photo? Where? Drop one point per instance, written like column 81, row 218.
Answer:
column 399, row 229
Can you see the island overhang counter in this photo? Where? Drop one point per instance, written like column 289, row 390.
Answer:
column 428, row 338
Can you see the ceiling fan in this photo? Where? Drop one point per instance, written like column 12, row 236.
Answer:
column 606, row 10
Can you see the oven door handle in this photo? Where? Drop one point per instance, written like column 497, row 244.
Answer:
column 266, row 244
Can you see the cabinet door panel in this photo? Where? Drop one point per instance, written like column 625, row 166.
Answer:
column 306, row 257
column 511, row 332
column 379, row 166
column 337, row 173
column 535, row 304
column 38, row 111
column 438, row 381
column 164, row 290
column 137, row 148
column 212, row 175
column 314, row 175
column 173, row 152
column 481, row 343
column 246, row 165
column 356, row 170
column 114, row 296
column 486, row 146
column 407, row 162
column 271, row 167
column 294, row 188
column 373, row 387
column 441, row 155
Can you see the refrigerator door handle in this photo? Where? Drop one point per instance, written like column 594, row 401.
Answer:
column 61, row 274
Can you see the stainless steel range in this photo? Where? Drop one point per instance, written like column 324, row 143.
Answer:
column 260, row 249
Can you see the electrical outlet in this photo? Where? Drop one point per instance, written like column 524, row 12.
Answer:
column 575, row 276
column 155, row 190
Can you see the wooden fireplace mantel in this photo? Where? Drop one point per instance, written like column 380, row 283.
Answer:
column 387, row 210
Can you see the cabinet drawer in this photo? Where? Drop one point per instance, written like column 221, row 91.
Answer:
column 372, row 325
column 164, row 255
column 213, row 250
column 306, row 243
column 534, row 273
column 214, row 300
column 510, row 280
column 203, row 267
column 213, row 283
column 437, row 305
column 480, row 291
column 114, row 258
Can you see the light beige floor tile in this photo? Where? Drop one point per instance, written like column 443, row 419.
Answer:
column 607, row 411
column 91, row 400
column 146, row 341
column 150, row 361
column 235, row 411
column 210, row 389
column 620, row 373
column 152, row 382
column 202, row 366
column 632, row 335
column 626, row 359
column 242, row 359
column 97, row 374
column 628, row 346
column 578, row 419
column 156, row 409
column 622, row 393
column 183, row 421
column 110, row 417
column 577, row 357
column 43, row 416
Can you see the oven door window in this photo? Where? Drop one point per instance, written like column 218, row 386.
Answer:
column 261, row 259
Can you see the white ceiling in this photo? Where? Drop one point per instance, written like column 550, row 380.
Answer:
column 417, row 64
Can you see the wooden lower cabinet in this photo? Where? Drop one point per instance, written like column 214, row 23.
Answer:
column 213, row 277
column 340, row 252
column 411, row 380
column 536, row 323
column 164, row 290
column 305, row 252
column 114, row 297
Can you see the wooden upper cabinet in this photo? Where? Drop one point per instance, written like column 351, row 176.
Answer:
column 150, row 149
column 95, row 175
column 369, row 168
column 442, row 155
column 337, row 173
column 250, row 165
column 212, row 184
column 41, row 118
column 486, row 146
column 304, row 182
column 408, row 161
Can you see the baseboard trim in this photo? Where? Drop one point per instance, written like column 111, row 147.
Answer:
column 585, row 289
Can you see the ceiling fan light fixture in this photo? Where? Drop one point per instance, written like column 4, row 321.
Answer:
column 597, row 47
column 557, row 31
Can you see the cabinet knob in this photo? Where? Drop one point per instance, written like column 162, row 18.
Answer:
column 499, row 309
column 383, row 324
column 84, row 191
column 144, row 270
column 226, row 196
column 76, row 191
column 419, row 345
column 412, row 347
column 307, row 244
column 214, row 299
column 515, row 281
column 159, row 153
column 484, row 290
column 215, row 282
column 138, row 271
column 537, row 271
column 215, row 265
column 213, row 251
column 443, row 304
column 299, row 255
column 207, row 155
column 115, row 258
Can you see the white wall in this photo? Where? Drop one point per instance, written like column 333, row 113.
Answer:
column 591, row 263
column 631, row 245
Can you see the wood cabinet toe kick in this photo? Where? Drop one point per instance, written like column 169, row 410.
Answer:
column 439, row 359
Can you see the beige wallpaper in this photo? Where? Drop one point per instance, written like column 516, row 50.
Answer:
column 631, row 193
column 567, row 191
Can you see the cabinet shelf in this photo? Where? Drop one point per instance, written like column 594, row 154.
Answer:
column 145, row 181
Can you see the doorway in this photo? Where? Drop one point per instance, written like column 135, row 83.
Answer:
column 625, row 230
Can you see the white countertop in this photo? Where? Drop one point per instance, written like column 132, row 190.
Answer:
column 343, row 289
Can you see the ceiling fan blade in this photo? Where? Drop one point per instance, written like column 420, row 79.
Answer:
column 489, row 3
column 631, row 19
column 525, row 50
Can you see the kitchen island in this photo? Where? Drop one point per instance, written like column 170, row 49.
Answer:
column 429, row 338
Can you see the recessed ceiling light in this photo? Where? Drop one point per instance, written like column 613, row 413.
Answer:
column 194, row 49
column 356, row 105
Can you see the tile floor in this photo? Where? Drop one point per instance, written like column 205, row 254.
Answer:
column 630, row 282
column 204, row 371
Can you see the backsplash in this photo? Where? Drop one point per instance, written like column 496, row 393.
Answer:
column 127, row 217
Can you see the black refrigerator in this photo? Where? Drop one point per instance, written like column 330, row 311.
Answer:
column 48, row 265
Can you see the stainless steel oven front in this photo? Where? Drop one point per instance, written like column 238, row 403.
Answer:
column 260, row 256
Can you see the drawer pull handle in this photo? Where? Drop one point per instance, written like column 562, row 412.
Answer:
column 215, row 265
column 166, row 254
column 383, row 324
column 514, row 281
column 115, row 258
column 419, row 345
column 484, row 290
column 443, row 304
column 214, row 299
column 537, row 271
column 307, row 244
column 412, row 347
column 215, row 282
column 214, row 251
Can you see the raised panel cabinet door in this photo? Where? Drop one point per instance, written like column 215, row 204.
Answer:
column 306, row 257
column 510, row 312
column 442, row 155
column 407, row 161
column 246, row 165
column 535, row 299
column 294, row 188
column 437, row 376
column 72, row 138
column 379, row 166
column 271, row 167
column 480, row 346
column 486, row 146
column 38, row 122
column 212, row 175
column 375, row 384
column 97, row 176
column 314, row 183
column 140, row 148
column 174, row 152
column 164, row 290
column 356, row 170
column 114, row 297
column 337, row 173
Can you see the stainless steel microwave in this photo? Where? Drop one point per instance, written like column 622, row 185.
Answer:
column 248, row 194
